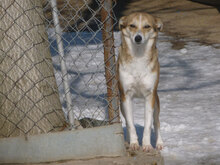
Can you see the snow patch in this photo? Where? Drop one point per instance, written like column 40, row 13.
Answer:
column 183, row 50
column 168, row 128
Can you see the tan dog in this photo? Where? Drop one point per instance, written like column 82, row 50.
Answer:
column 138, row 72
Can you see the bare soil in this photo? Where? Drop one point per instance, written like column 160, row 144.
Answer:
column 132, row 158
column 182, row 19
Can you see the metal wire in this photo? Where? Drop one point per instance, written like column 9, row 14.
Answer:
column 33, row 97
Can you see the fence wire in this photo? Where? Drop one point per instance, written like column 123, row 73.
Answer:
column 39, row 71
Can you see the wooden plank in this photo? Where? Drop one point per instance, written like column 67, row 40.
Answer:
column 109, row 60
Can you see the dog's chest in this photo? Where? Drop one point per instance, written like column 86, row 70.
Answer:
column 137, row 77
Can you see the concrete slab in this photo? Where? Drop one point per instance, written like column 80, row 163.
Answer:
column 105, row 141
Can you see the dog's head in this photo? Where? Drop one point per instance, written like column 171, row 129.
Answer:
column 140, row 27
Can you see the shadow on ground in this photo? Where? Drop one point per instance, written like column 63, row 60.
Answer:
column 140, row 130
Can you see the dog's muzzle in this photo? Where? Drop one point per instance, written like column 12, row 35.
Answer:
column 138, row 39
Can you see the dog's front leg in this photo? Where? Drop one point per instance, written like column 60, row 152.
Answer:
column 148, row 115
column 128, row 114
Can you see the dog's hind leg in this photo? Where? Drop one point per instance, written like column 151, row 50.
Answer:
column 159, row 141
column 123, row 113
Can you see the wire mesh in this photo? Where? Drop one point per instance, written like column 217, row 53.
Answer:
column 33, row 97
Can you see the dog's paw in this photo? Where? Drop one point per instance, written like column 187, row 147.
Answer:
column 159, row 146
column 147, row 148
column 134, row 146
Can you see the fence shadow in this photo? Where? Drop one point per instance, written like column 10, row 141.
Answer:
column 85, row 67
column 189, row 76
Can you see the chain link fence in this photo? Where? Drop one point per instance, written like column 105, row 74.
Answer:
column 57, row 65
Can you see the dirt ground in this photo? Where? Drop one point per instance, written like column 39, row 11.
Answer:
column 132, row 158
column 182, row 19
column 139, row 158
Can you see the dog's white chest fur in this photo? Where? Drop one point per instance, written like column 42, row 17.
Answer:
column 137, row 78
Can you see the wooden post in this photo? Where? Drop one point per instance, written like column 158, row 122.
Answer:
column 110, row 62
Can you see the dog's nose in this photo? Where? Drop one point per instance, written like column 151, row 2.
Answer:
column 138, row 39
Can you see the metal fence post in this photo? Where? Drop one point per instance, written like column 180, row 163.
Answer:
column 62, row 61
column 109, row 60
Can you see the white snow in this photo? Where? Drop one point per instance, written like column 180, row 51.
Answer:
column 183, row 50
column 190, row 103
column 188, row 90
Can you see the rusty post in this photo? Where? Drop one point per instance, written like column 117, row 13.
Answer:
column 109, row 60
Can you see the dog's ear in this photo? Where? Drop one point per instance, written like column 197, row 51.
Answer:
column 159, row 24
column 122, row 22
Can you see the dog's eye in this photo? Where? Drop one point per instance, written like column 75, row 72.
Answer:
column 132, row 26
column 147, row 26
